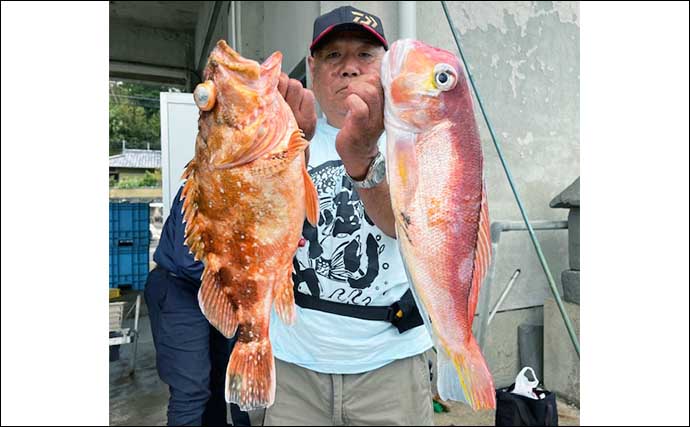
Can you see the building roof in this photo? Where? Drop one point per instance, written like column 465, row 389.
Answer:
column 141, row 159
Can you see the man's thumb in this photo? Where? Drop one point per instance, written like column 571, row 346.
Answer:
column 357, row 109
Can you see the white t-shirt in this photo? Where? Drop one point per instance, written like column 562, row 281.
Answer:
column 347, row 259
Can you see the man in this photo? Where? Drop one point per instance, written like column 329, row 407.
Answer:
column 355, row 354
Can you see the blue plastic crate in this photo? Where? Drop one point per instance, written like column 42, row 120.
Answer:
column 129, row 224
column 129, row 267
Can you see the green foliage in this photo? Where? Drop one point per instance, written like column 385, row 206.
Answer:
column 129, row 183
column 150, row 179
column 135, row 115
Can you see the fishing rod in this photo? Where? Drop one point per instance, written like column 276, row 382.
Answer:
column 533, row 237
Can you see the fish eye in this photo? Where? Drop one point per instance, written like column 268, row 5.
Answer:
column 205, row 95
column 444, row 77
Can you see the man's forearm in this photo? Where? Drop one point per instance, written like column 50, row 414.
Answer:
column 376, row 200
column 377, row 205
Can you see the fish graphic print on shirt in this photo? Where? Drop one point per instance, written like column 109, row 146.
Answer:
column 345, row 248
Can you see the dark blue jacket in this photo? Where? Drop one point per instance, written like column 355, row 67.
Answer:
column 172, row 254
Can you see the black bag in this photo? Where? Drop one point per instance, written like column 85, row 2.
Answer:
column 515, row 410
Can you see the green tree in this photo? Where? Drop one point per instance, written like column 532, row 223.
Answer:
column 135, row 115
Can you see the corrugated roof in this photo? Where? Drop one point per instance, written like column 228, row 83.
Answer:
column 142, row 159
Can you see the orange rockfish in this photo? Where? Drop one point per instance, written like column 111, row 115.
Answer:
column 434, row 170
column 245, row 200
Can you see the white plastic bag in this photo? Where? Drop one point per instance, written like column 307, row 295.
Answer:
column 525, row 387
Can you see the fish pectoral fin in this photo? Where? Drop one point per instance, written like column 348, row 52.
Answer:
column 215, row 303
column 297, row 145
column 482, row 256
column 311, row 199
column 402, row 170
column 284, row 299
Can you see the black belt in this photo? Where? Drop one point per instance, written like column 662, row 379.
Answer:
column 403, row 314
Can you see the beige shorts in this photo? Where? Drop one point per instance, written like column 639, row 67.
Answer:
column 395, row 394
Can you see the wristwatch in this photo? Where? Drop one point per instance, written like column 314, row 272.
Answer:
column 375, row 175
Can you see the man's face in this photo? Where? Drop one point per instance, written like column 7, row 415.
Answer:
column 334, row 65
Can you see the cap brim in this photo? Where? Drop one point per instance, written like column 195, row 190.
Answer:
column 345, row 26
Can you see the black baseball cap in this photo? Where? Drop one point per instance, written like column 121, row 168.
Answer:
column 347, row 18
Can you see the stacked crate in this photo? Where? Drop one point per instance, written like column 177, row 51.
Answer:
column 129, row 245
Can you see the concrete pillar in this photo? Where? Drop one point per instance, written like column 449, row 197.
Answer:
column 407, row 16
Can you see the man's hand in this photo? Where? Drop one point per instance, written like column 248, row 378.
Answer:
column 356, row 142
column 301, row 102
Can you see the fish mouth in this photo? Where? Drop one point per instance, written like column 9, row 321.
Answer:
column 393, row 60
column 391, row 66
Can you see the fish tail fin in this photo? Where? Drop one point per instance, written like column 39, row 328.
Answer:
column 250, row 378
column 465, row 377
column 284, row 300
column 215, row 304
column 312, row 199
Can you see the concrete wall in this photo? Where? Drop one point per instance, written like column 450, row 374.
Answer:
column 128, row 173
column 148, row 54
column 501, row 349
column 292, row 25
column 136, row 193
column 265, row 28
column 148, row 45
column 561, row 363
column 253, row 30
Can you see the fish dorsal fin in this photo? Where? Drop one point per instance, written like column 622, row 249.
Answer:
column 482, row 255
column 270, row 71
column 194, row 226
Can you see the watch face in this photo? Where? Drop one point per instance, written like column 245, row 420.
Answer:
column 379, row 171
column 376, row 174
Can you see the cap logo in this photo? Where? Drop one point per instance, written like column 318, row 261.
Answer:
column 363, row 19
